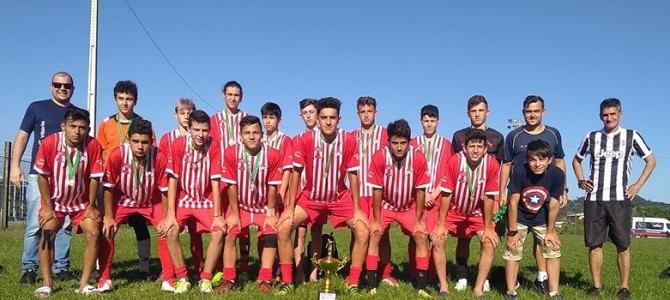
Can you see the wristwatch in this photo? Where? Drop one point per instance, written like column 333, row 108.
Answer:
column 512, row 232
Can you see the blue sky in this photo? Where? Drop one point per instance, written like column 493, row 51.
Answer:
column 405, row 54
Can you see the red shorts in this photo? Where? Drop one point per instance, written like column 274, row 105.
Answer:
column 247, row 219
column 366, row 205
column 202, row 216
column 404, row 218
column 339, row 212
column 153, row 214
column 459, row 225
column 75, row 219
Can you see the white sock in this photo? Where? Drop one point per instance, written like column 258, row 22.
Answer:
column 542, row 276
column 554, row 293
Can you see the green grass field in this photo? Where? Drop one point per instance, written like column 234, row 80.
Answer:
column 650, row 257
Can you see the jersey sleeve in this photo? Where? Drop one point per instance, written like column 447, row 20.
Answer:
column 161, row 173
column 229, row 167
column 174, row 158
column 214, row 127
column 500, row 148
column 448, row 182
column 95, row 163
column 44, row 158
column 275, row 167
column 164, row 143
column 640, row 146
column 558, row 148
column 516, row 180
column 421, row 171
column 112, row 168
column 215, row 160
column 28, row 122
column 448, row 148
column 491, row 187
column 456, row 144
column 509, row 148
column 351, row 157
column 557, row 183
column 584, row 147
column 376, row 170
column 286, row 153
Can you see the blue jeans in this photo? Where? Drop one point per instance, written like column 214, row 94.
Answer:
column 31, row 237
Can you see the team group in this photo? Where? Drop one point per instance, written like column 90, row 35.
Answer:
column 225, row 173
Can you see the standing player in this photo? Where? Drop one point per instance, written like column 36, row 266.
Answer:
column 478, row 111
column 194, row 171
column 607, row 208
column 399, row 175
column 112, row 132
column 327, row 157
column 182, row 109
column 276, row 139
column 253, row 172
column 515, row 155
column 471, row 180
column 69, row 165
column 135, row 183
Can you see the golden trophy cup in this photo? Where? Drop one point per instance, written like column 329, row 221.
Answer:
column 328, row 265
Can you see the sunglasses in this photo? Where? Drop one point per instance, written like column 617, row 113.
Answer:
column 58, row 85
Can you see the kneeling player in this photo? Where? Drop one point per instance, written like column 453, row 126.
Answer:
column 252, row 171
column 399, row 175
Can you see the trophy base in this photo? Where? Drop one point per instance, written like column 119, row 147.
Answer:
column 327, row 296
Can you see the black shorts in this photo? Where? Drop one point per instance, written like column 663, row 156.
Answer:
column 611, row 218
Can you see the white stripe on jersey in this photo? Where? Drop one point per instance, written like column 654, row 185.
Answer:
column 325, row 182
column 224, row 120
column 398, row 182
column 69, row 198
column 252, row 197
column 195, row 177
column 132, row 195
column 365, row 157
column 462, row 200
column 435, row 145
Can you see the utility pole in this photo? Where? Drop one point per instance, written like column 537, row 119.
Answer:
column 93, row 64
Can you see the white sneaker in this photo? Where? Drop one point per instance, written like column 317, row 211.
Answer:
column 87, row 290
column 181, row 286
column 487, row 286
column 105, row 287
column 461, row 284
column 167, row 287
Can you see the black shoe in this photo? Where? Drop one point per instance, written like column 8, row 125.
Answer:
column 64, row 276
column 510, row 297
column 541, row 287
column 28, row 277
column 147, row 276
column 95, row 275
column 557, row 297
column 595, row 292
column 623, row 294
column 2, row 269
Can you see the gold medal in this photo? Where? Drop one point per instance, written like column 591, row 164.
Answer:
column 70, row 182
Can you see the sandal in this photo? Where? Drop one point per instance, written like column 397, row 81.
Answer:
column 42, row 292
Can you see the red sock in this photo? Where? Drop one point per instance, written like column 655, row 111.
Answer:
column 286, row 273
column 181, row 272
column 229, row 274
column 371, row 262
column 422, row 263
column 354, row 275
column 166, row 261
column 387, row 268
column 265, row 275
column 105, row 259
column 206, row 275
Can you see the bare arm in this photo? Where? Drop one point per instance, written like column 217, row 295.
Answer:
column 20, row 142
column 45, row 194
column 353, row 185
column 233, row 207
column 444, row 208
column 377, row 205
column 505, row 170
column 172, row 198
column 93, row 193
column 420, row 198
column 285, row 182
column 650, row 164
column 488, row 212
column 512, row 211
column 293, row 188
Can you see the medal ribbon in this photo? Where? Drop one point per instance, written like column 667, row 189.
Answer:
column 72, row 166
column 138, row 171
column 122, row 133
column 366, row 140
column 253, row 165
column 329, row 156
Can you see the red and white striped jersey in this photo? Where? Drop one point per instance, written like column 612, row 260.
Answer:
column 194, row 171
column 296, row 139
column 225, row 127
column 325, row 164
column 468, row 186
column 284, row 144
column 134, row 183
column 167, row 139
column 437, row 151
column 69, row 193
column 368, row 144
column 398, row 184
column 252, row 175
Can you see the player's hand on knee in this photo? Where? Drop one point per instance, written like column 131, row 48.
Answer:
column 46, row 215
column 109, row 227
column 490, row 236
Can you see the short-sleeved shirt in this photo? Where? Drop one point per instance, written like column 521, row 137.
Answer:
column 467, row 186
column 536, row 192
column 611, row 161
column 517, row 141
column 113, row 132
column 284, row 144
column 398, row 184
column 252, row 175
column 135, row 183
column 167, row 139
column 55, row 159
column 325, row 164
column 494, row 140
column 42, row 117
column 194, row 171
column 225, row 127
column 368, row 144
column 437, row 151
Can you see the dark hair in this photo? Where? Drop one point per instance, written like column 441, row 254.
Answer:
column 140, row 126
column 271, row 108
column 250, row 120
column 126, row 86
column 476, row 100
column 232, row 83
column 198, row 116
column 431, row 111
column 539, row 148
column 366, row 100
column 532, row 99
column 399, row 128
column 474, row 134
column 328, row 102
column 610, row 102
column 307, row 102
column 76, row 114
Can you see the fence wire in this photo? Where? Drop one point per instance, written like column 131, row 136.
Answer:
column 17, row 195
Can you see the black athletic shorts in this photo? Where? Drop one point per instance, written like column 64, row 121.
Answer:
column 607, row 218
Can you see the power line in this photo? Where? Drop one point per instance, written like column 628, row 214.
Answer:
column 146, row 31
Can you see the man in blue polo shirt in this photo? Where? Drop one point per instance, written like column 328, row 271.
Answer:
column 42, row 118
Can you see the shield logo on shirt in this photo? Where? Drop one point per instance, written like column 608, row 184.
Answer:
column 533, row 197
column 125, row 169
column 60, row 158
column 462, row 178
column 240, row 164
column 388, row 171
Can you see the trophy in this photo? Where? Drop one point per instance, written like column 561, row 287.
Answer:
column 328, row 265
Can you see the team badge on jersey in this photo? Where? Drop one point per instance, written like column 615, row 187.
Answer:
column 533, row 197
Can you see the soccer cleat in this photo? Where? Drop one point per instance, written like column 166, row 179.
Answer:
column 487, row 286
column 595, row 292
column 265, row 288
column 105, row 286
column 284, row 289
column 623, row 294
column 424, row 294
column 557, row 297
column 541, row 287
column 64, row 276
column 87, row 290
column 181, row 286
column 42, row 292
column 216, row 279
column 461, row 284
column 166, row 286
column 205, row 286
column 29, row 277
column 372, row 291
column 225, row 286
column 352, row 289
column 390, row 281
column 510, row 296
column 443, row 294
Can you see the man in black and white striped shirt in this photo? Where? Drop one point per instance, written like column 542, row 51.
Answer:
column 608, row 195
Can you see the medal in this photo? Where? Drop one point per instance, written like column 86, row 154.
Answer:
column 253, row 166
column 70, row 182
column 72, row 166
column 231, row 141
column 252, row 187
